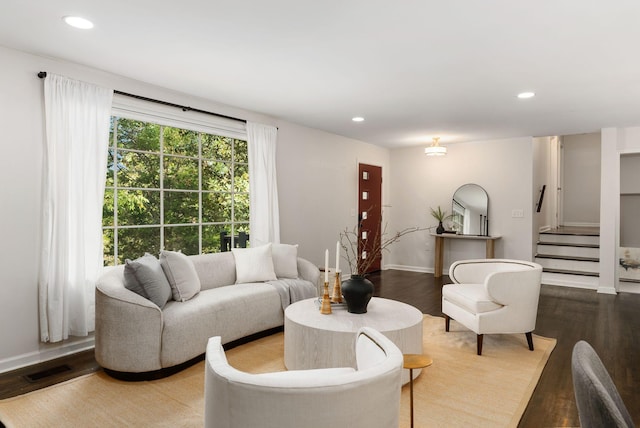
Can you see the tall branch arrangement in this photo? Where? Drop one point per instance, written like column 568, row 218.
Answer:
column 352, row 246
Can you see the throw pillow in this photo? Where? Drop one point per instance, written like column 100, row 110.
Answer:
column 285, row 260
column 181, row 273
column 254, row 264
column 145, row 277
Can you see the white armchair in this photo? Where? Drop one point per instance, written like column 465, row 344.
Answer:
column 492, row 296
column 366, row 397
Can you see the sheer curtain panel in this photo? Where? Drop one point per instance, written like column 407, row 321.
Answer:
column 264, row 221
column 77, row 116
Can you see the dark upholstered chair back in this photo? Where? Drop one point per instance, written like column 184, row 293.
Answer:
column 598, row 400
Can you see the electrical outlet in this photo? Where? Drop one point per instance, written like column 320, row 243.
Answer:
column 517, row 213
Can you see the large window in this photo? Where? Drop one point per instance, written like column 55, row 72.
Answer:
column 175, row 189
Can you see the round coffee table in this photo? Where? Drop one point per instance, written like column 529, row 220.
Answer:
column 313, row 340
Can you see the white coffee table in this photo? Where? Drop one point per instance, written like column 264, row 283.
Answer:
column 313, row 340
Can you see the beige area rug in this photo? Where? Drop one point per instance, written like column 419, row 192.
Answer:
column 460, row 389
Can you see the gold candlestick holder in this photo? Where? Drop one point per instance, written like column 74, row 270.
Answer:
column 336, row 295
column 325, row 307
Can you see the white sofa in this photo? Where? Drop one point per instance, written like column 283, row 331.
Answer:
column 134, row 335
column 366, row 397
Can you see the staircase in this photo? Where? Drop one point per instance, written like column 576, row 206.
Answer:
column 569, row 256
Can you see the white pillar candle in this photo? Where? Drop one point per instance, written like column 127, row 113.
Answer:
column 337, row 256
column 326, row 265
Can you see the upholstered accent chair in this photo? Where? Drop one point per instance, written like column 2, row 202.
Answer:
column 491, row 296
column 367, row 396
column 599, row 403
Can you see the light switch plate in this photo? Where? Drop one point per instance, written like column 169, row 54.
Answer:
column 517, row 213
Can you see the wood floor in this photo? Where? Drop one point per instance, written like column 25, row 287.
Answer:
column 610, row 323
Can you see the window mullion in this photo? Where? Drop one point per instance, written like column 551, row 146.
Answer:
column 162, row 187
column 115, row 191
column 200, row 185
column 233, row 195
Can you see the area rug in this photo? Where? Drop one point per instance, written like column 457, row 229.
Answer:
column 459, row 389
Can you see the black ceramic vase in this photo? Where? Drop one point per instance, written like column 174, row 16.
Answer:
column 357, row 292
column 440, row 229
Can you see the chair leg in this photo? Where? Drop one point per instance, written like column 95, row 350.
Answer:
column 447, row 321
column 529, row 341
column 480, row 336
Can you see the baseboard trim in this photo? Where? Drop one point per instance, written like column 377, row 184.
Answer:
column 418, row 269
column 607, row 290
column 42, row 355
column 543, row 229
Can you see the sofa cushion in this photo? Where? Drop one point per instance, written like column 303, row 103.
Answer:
column 472, row 297
column 215, row 269
column 285, row 260
column 145, row 277
column 232, row 312
column 254, row 264
column 181, row 274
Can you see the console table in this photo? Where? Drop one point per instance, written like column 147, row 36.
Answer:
column 439, row 251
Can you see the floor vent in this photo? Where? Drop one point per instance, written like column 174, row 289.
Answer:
column 35, row 377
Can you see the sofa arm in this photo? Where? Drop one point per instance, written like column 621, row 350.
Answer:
column 128, row 327
column 308, row 271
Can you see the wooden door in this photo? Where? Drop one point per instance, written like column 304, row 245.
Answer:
column 370, row 212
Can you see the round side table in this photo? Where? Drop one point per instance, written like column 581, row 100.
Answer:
column 415, row 361
column 314, row 341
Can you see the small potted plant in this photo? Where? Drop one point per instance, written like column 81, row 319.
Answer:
column 440, row 215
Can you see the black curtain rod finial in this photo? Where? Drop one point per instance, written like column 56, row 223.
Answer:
column 42, row 74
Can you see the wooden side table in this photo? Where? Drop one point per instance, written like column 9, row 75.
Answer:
column 415, row 361
column 439, row 250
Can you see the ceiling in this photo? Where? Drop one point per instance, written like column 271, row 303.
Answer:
column 414, row 69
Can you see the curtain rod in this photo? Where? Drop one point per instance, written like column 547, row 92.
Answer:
column 43, row 74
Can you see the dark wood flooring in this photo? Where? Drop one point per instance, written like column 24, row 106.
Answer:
column 610, row 323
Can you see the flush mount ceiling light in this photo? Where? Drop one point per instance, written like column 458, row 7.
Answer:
column 358, row 119
column 78, row 22
column 524, row 95
column 435, row 149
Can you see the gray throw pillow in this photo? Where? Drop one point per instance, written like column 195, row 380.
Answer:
column 145, row 277
column 181, row 274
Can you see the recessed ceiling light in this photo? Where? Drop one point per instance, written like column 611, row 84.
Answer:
column 358, row 119
column 78, row 22
column 523, row 95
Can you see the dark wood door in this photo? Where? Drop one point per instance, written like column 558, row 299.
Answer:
column 370, row 212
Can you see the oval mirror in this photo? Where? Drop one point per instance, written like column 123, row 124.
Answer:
column 470, row 210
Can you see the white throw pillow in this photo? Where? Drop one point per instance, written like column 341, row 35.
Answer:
column 285, row 260
column 181, row 274
column 254, row 264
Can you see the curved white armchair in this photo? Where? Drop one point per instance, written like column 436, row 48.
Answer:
column 366, row 397
column 493, row 296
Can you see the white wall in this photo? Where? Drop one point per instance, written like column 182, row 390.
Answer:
column 318, row 187
column 630, row 200
column 542, row 175
column 581, row 179
column 316, row 173
column 615, row 141
column 502, row 167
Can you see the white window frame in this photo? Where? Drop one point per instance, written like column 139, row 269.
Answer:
column 165, row 116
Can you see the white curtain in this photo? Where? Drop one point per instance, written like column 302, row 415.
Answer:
column 77, row 118
column 263, row 186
